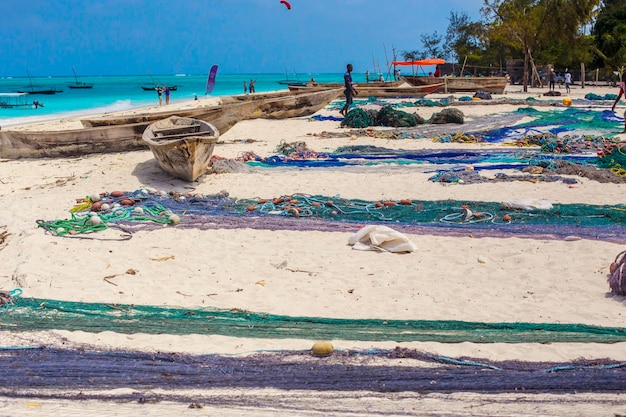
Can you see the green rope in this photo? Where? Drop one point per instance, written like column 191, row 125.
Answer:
column 31, row 314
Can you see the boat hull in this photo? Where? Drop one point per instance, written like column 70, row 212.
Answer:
column 63, row 143
column 121, row 134
column 370, row 90
column 185, row 155
column 495, row 85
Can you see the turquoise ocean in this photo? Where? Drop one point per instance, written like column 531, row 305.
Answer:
column 117, row 93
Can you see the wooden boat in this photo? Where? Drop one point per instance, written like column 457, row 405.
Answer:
column 289, row 82
column 494, row 85
column 16, row 101
column 155, row 87
column 394, row 83
column 274, row 105
column 16, row 144
column 182, row 145
column 34, row 89
column 79, row 84
column 370, row 90
column 124, row 133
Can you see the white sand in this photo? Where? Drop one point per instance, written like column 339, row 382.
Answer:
column 310, row 273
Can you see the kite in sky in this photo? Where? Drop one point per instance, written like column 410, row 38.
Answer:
column 286, row 3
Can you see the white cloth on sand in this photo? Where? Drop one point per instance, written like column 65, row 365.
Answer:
column 381, row 238
column 528, row 204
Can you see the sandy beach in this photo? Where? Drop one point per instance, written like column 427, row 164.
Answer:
column 302, row 272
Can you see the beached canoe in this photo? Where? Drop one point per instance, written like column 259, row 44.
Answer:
column 16, row 144
column 494, row 85
column 394, row 83
column 121, row 134
column 277, row 104
column 182, row 145
column 371, row 90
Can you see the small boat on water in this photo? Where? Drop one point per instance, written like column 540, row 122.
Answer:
column 296, row 83
column 17, row 101
column 79, row 84
column 157, row 84
column 155, row 87
column 495, row 85
column 182, row 145
column 124, row 133
column 34, row 89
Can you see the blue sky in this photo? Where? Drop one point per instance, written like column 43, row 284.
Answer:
column 128, row 37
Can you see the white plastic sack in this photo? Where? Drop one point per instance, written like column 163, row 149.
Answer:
column 382, row 238
column 528, row 204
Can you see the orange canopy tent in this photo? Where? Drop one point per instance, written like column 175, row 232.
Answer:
column 421, row 62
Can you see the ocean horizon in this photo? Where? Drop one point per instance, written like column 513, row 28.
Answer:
column 124, row 92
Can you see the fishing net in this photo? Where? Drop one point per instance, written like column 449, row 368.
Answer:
column 387, row 116
column 357, row 118
column 32, row 314
column 483, row 95
column 163, row 376
column 326, row 213
column 613, row 158
column 447, row 116
column 595, row 97
column 390, row 117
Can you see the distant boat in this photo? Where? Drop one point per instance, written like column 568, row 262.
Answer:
column 79, row 84
column 294, row 83
column 154, row 87
column 33, row 89
column 17, row 101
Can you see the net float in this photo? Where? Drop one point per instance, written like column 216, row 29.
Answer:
column 322, row 349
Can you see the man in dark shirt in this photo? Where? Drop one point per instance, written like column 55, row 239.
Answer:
column 349, row 92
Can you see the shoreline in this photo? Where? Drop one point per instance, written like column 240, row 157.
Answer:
column 72, row 120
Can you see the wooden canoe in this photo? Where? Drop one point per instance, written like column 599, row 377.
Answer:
column 370, row 90
column 182, row 145
column 494, row 85
column 121, row 134
column 227, row 107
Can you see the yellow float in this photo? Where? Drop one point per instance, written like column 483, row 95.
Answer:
column 567, row 101
column 322, row 349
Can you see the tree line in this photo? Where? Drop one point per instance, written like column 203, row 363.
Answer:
column 563, row 33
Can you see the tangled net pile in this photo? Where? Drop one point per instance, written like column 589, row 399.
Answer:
column 308, row 212
column 387, row 116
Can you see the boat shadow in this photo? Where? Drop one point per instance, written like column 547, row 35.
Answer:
column 150, row 174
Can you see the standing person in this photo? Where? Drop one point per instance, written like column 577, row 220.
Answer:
column 367, row 76
column 160, row 93
column 568, row 80
column 245, row 87
column 252, row 89
column 167, row 94
column 622, row 91
column 349, row 92
column 437, row 71
column 552, row 79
